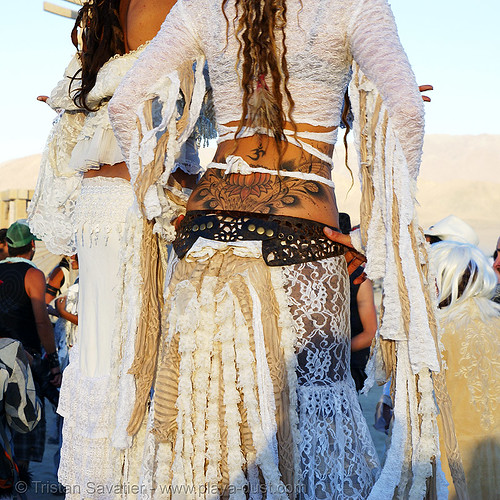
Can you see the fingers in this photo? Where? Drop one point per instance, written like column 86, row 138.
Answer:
column 362, row 277
column 177, row 222
column 425, row 88
column 343, row 239
column 42, row 98
column 353, row 262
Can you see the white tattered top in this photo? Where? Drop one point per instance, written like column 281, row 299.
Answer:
column 323, row 37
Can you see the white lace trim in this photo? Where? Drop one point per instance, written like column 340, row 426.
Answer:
column 102, row 203
column 51, row 211
column 332, row 427
column 83, row 401
column 96, row 144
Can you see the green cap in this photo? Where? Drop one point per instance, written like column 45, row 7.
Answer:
column 19, row 235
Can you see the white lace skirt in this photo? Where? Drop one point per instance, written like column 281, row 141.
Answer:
column 339, row 460
column 254, row 392
column 91, row 467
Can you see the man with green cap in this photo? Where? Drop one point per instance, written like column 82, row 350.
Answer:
column 23, row 317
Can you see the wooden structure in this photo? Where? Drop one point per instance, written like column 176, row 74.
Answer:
column 14, row 205
column 59, row 10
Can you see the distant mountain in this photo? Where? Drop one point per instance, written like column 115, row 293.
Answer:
column 20, row 173
column 459, row 175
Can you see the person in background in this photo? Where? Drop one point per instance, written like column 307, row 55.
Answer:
column 4, row 251
column 66, row 307
column 58, row 280
column 363, row 316
column 259, row 296
column 470, row 324
column 451, row 228
column 496, row 268
column 23, row 317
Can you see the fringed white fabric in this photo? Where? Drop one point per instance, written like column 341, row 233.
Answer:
column 391, row 234
column 393, row 185
column 224, row 381
column 140, row 151
column 127, row 317
column 79, row 140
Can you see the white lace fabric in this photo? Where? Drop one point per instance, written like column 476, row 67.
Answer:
column 78, row 141
column 322, row 38
column 339, row 460
column 98, row 457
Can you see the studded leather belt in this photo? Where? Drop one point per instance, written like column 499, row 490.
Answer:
column 285, row 240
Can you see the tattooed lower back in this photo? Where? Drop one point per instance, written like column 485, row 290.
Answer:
column 258, row 192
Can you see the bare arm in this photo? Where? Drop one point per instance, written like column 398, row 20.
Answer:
column 55, row 281
column 61, row 309
column 368, row 316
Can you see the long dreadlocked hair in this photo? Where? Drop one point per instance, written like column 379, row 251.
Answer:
column 102, row 38
column 260, row 24
column 260, row 27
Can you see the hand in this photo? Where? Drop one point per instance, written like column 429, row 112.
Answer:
column 61, row 304
column 42, row 98
column 56, row 378
column 425, row 88
column 352, row 256
column 29, row 356
column 177, row 222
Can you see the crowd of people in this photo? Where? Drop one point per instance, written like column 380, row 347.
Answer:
column 223, row 318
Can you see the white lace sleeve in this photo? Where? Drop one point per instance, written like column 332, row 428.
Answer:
column 376, row 48
column 50, row 214
column 173, row 46
column 61, row 96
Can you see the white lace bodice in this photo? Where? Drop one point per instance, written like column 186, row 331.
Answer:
column 323, row 37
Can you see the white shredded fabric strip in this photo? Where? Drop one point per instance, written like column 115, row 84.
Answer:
column 237, row 165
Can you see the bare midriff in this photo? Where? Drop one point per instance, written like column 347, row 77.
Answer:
column 116, row 170
column 267, row 193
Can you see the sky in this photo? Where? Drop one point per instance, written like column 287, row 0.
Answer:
column 452, row 44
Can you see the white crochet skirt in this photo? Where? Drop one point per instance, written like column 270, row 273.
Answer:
column 91, row 466
column 254, row 397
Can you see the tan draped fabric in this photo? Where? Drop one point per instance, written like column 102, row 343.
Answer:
column 152, row 269
column 209, row 390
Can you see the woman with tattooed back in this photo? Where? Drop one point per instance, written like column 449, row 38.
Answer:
column 253, row 394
